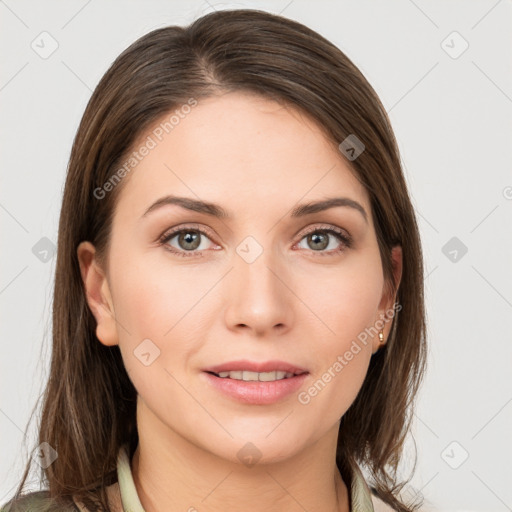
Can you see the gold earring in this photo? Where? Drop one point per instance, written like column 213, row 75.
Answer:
column 381, row 339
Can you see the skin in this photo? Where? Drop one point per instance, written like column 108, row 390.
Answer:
column 258, row 160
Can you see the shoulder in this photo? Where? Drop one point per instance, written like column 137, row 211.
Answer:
column 36, row 501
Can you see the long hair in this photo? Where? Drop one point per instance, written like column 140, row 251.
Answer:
column 89, row 402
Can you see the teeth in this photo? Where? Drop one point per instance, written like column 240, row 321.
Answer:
column 263, row 376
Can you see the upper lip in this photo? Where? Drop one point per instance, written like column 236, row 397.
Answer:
column 255, row 366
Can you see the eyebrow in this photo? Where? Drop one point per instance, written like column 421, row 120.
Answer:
column 216, row 210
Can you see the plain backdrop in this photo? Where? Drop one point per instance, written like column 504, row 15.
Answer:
column 443, row 71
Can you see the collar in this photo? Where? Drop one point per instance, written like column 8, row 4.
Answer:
column 360, row 495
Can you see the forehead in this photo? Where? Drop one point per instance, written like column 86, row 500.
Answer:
column 240, row 150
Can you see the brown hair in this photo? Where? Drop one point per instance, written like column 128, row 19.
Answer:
column 89, row 403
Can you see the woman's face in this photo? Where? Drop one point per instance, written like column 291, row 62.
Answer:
column 269, row 281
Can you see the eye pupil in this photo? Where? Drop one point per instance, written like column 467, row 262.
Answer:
column 318, row 238
column 190, row 237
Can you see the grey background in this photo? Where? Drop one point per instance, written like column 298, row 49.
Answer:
column 451, row 113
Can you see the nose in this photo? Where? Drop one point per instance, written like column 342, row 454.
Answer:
column 258, row 297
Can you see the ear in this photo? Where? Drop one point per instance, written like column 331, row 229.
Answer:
column 98, row 294
column 386, row 311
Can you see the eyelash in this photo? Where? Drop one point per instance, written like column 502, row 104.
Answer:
column 338, row 233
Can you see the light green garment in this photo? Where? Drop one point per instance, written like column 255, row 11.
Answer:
column 359, row 493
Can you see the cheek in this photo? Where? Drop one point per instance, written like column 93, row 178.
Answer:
column 154, row 307
column 158, row 301
column 154, row 294
column 345, row 307
column 344, row 297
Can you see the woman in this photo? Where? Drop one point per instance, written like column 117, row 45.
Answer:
column 238, row 313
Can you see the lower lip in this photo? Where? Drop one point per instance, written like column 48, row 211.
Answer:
column 256, row 392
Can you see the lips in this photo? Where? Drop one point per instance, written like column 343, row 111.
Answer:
column 254, row 366
column 255, row 392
